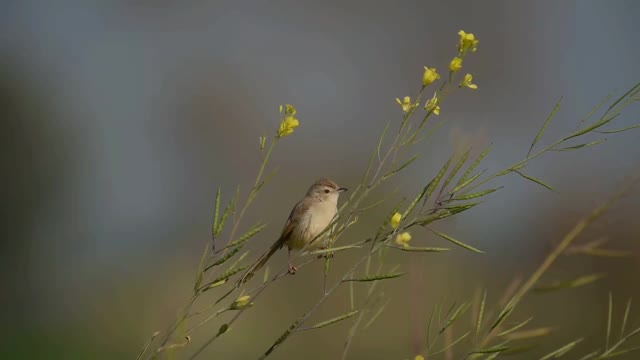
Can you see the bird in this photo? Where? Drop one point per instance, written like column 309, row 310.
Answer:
column 308, row 218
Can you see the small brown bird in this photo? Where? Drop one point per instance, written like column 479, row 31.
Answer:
column 309, row 217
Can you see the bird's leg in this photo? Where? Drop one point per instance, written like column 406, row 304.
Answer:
column 292, row 269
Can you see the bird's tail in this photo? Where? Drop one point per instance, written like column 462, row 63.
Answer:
column 259, row 263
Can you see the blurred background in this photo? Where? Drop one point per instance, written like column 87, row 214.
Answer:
column 122, row 118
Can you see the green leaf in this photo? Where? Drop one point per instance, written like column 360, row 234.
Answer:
column 375, row 277
column 560, row 285
column 474, row 165
column 459, row 311
column 595, row 109
column 376, row 315
column 481, row 313
column 332, row 321
column 620, row 352
column 576, row 147
column 491, row 350
column 501, row 317
column 265, row 277
column 528, row 334
column 457, row 242
column 531, row 178
column 461, row 185
column 453, row 343
column 216, row 212
column 434, row 183
column 418, row 249
column 609, row 321
column 625, row 318
column 390, row 174
column 227, row 210
column 335, row 249
column 249, row 234
column 476, row 194
column 226, row 257
column 619, row 130
column 516, row 327
column 597, row 124
column 544, row 126
column 561, row 351
column 456, row 168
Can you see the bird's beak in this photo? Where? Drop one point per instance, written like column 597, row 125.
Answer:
column 342, row 189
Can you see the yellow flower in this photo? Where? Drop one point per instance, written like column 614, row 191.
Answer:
column 467, row 82
column 432, row 104
column 467, row 41
column 455, row 64
column 418, row 357
column 403, row 239
column 287, row 125
column 290, row 110
column 405, row 103
column 430, row 75
column 241, row 303
column 395, row 220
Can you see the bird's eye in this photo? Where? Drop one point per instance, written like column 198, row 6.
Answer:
column 326, row 191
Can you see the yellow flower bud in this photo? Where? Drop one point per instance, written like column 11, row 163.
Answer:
column 430, row 75
column 395, row 220
column 418, row 357
column 241, row 303
column 403, row 239
column 455, row 64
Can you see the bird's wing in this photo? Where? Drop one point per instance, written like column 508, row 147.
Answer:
column 293, row 220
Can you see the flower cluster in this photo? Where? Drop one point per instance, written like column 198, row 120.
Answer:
column 430, row 75
column 467, row 41
column 432, row 105
column 289, row 122
column 403, row 239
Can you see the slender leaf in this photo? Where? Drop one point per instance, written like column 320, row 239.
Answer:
column 335, row 249
column 376, row 277
column 457, row 242
column 481, row 313
column 625, row 318
column 620, row 352
column 216, row 212
column 452, row 344
column 491, row 350
column 516, row 327
column 461, row 185
column 419, row 249
column 393, row 172
column 434, row 183
column 609, row 317
column 332, row 321
column 528, row 334
column 459, row 311
column 501, row 317
column 249, row 234
column 226, row 256
column 265, row 277
column 597, row 124
column 561, row 351
column 595, row 109
column 227, row 210
column 531, row 178
column 560, row 285
column 476, row 194
column 580, row 146
column 619, row 130
column 376, row 314
column 544, row 126
column 475, row 164
column 456, row 168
